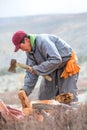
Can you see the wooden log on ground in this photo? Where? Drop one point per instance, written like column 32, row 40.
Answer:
column 46, row 104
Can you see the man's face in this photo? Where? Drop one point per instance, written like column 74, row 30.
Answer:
column 25, row 45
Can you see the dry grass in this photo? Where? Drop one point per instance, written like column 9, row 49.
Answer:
column 60, row 118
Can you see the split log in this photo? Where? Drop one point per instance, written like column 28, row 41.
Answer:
column 44, row 104
column 47, row 104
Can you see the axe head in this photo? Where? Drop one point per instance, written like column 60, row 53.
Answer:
column 12, row 67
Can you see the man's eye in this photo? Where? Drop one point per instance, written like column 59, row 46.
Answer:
column 22, row 41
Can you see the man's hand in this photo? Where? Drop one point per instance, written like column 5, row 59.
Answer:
column 45, row 76
column 31, row 70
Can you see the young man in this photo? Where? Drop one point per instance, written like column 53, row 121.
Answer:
column 48, row 55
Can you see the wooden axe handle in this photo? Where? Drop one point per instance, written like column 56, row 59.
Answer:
column 27, row 67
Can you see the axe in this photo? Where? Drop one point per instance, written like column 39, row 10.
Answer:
column 14, row 64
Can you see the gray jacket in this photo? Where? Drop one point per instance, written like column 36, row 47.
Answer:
column 48, row 57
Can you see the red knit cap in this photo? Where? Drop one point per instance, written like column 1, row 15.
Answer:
column 17, row 38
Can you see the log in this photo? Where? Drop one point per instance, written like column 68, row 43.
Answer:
column 44, row 104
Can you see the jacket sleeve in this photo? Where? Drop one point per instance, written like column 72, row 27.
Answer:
column 52, row 58
column 29, row 79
